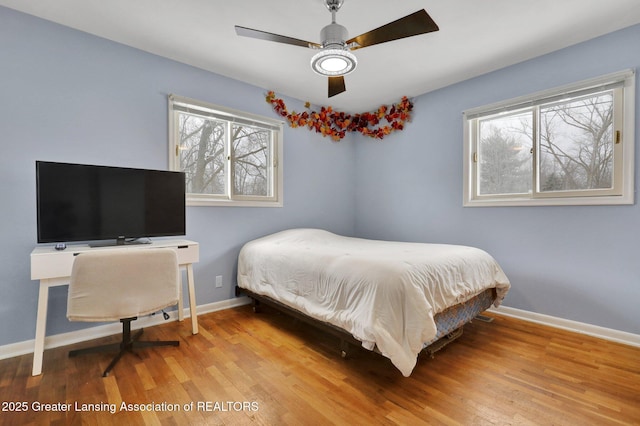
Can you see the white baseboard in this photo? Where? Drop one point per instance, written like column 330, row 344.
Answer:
column 574, row 326
column 63, row 339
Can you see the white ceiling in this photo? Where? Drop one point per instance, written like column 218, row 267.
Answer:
column 475, row 37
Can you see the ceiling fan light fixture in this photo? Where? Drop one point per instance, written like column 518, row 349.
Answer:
column 334, row 59
column 333, row 62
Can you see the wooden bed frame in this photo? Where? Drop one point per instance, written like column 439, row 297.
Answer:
column 346, row 339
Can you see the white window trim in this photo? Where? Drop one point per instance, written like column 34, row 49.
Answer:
column 232, row 115
column 627, row 78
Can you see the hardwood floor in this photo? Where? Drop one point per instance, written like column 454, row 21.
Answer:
column 265, row 369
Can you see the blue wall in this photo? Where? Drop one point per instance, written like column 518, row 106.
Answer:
column 578, row 263
column 69, row 96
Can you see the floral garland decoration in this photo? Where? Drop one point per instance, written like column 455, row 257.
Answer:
column 336, row 124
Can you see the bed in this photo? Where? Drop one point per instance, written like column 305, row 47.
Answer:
column 393, row 297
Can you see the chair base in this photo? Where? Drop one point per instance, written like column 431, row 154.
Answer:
column 128, row 344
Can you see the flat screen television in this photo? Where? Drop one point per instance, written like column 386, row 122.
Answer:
column 81, row 202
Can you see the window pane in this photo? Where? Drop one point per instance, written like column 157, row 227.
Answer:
column 251, row 174
column 576, row 144
column 202, row 155
column 504, row 154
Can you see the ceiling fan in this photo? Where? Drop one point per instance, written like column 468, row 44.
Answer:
column 334, row 58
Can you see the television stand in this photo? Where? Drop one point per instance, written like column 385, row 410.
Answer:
column 120, row 241
column 53, row 268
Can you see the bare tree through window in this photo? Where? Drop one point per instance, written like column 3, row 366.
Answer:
column 504, row 154
column 576, row 144
column 569, row 145
column 575, row 147
column 202, row 154
column 251, row 160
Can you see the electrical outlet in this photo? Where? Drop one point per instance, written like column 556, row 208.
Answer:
column 218, row 281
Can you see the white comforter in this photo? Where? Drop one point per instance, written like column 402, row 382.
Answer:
column 384, row 293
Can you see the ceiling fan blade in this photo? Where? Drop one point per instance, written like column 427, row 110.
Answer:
column 336, row 85
column 263, row 35
column 415, row 24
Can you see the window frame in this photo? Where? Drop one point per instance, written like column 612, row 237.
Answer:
column 624, row 125
column 180, row 104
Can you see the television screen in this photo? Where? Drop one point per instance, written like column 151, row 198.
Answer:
column 79, row 202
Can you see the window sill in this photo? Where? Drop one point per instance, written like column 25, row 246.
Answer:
column 231, row 203
column 574, row 201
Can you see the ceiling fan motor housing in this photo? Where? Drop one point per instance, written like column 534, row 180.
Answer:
column 333, row 36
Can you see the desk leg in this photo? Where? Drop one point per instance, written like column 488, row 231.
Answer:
column 41, row 326
column 192, row 299
column 180, row 301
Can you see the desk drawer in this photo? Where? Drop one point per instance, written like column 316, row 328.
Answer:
column 46, row 262
column 52, row 265
column 188, row 253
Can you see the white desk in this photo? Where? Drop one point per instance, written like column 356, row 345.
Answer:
column 53, row 268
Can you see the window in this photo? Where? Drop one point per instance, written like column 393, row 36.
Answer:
column 568, row 146
column 229, row 157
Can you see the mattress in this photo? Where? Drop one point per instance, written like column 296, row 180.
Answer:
column 385, row 294
column 456, row 316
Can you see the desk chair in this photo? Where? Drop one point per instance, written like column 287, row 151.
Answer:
column 109, row 285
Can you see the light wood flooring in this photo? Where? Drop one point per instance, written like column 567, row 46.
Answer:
column 265, row 369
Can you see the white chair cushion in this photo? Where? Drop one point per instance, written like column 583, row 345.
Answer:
column 108, row 285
